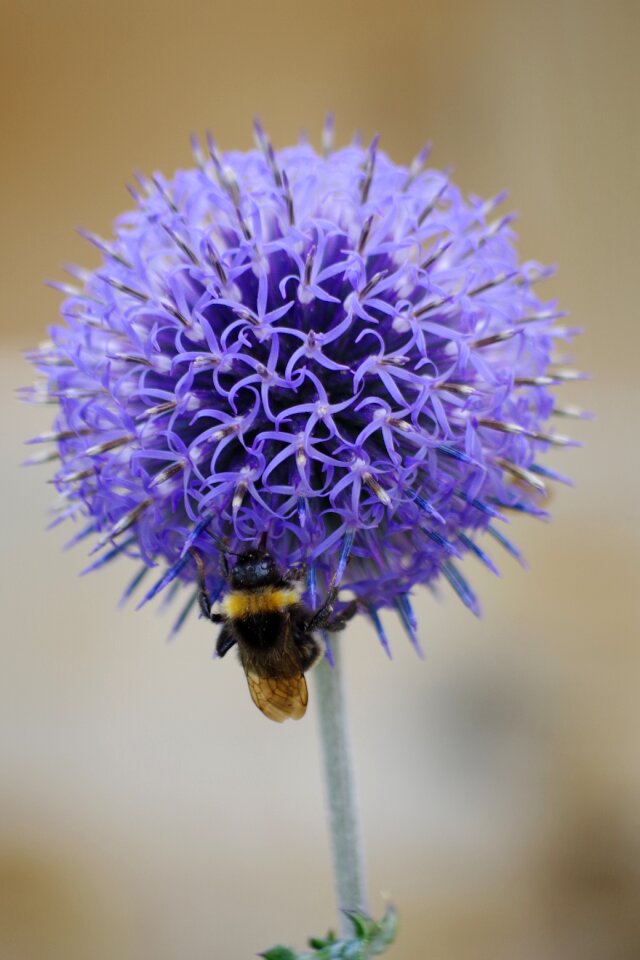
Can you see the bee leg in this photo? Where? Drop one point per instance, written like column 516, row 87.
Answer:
column 323, row 618
column 203, row 594
column 308, row 649
column 339, row 622
column 225, row 641
column 322, row 615
column 203, row 602
column 295, row 573
column 309, row 652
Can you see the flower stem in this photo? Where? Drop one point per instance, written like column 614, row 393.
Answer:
column 340, row 789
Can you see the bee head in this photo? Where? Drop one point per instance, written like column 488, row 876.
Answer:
column 254, row 568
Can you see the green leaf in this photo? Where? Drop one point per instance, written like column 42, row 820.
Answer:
column 385, row 933
column 319, row 942
column 371, row 938
column 279, row 953
column 361, row 924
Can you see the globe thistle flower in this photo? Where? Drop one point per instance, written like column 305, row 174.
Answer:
column 329, row 350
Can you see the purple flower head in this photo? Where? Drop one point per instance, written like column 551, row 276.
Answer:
column 329, row 350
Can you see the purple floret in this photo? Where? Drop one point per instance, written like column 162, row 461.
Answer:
column 330, row 349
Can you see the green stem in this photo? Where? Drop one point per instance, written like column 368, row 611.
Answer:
column 340, row 789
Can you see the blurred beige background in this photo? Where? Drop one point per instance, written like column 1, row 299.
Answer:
column 146, row 809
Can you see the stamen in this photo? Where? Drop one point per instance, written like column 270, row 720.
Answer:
column 369, row 168
column 105, row 248
column 308, row 265
column 435, row 256
column 514, row 428
column 364, row 233
column 288, row 197
column 48, row 361
column 45, row 456
column 567, row 374
column 188, row 252
column 229, row 183
column 216, row 262
column 60, row 435
column 417, row 166
column 495, row 338
column 238, row 497
column 214, row 153
column 543, row 315
column 368, row 287
column 99, row 448
column 522, row 474
column 167, row 473
column 551, row 379
column 571, row 412
column 266, row 146
column 198, row 153
column 76, row 475
column 496, row 282
column 173, row 310
column 431, row 306
column 164, row 194
column 430, row 207
column 123, row 288
column 544, row 381
column 462, row 389
column 375, row 487
column 130, row 358
column 159, row 409
column 123, row 524
column 403, row 425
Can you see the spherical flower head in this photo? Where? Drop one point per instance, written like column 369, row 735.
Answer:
column 335, row 354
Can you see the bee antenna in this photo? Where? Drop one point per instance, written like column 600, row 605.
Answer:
column 222, row 545
column 263, row 541
column 199, row 564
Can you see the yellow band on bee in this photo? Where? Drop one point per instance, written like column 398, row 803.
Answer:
column 241, row 603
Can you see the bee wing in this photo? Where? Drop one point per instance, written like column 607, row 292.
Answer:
column 279, row 698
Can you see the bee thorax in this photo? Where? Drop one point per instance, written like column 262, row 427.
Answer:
column 239, row 604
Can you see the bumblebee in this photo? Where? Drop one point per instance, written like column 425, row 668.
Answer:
column 263, row 614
